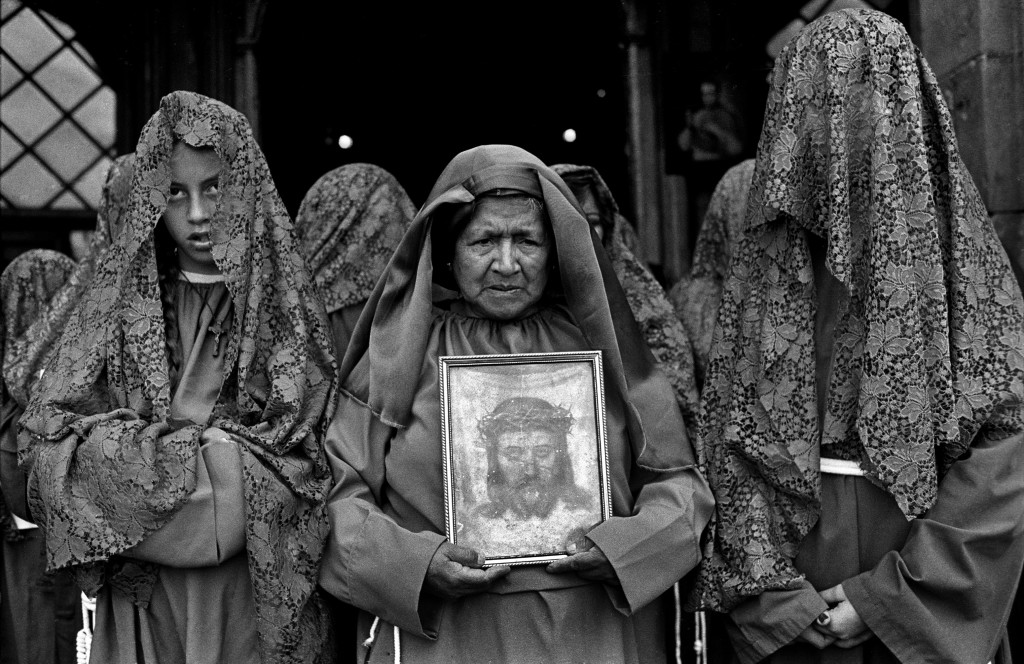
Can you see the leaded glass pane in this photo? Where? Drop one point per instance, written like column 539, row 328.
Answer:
column 9, row 148
column 90, row 184
column 97, row 116
column 28, row 40
column 67, row 78
column 9, row 76
column 27, row 113
column 28, row 185
column 67, row 201
column 67, row 150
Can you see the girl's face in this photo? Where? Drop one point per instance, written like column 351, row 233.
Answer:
column 195, row 180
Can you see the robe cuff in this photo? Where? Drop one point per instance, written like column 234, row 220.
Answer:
column 763, row 624
column 659, row 543
column 386, row 566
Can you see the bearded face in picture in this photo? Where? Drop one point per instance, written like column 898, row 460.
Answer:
column 529, row 470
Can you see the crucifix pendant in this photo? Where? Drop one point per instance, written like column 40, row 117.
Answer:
column 216, row 329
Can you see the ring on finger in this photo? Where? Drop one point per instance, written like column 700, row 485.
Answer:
column 824, row 619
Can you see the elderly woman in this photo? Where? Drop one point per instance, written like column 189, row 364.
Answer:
column 863, row 405
column 501, row 260
column 348, row 225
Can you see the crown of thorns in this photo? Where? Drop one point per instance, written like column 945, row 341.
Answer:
column 524, row 414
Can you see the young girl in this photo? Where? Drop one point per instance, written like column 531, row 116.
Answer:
column 174, row 441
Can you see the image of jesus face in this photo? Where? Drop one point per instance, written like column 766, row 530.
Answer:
column 530, row 461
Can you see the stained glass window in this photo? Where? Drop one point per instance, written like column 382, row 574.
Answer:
column 57, row 117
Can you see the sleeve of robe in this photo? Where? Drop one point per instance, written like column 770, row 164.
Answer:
column 210, row 528
column 946, row 593
column 660, row 541
column 372, row 562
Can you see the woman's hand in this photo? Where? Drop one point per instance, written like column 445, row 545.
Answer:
column 455, row 571
column 815, row 638
column 589, row 562
column 841, row 622
column 213, row 435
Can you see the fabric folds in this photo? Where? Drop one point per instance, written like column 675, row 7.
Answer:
column 108, row 465
column 857, row 148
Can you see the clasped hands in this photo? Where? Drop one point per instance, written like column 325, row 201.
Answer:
column 457, row 571
column 839, row 626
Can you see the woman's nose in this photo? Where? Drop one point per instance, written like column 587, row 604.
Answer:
column 506, row 262
column 200, row 208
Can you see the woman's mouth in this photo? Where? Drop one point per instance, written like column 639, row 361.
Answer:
column 200, row 241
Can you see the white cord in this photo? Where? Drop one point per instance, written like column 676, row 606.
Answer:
column 373, row 632
column 700, row 642
column 398, row 646
column 83, row 639
column 678, row 624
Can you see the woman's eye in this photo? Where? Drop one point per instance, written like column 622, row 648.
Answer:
column 213, row 188
column 177, row 193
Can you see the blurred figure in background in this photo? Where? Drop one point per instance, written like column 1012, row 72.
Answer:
column 39, row 611
column 349, row 224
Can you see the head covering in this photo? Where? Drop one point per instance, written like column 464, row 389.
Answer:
column 108, row 386
column 26, row 287
column 349, row 224
column 393, row 330
column 22, row 367
column 697, row 295
column 857, row 148
column 661, row 328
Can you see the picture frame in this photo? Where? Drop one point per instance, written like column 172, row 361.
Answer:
column 525, row 453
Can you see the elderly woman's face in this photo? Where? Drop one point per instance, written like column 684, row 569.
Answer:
column 501, row 259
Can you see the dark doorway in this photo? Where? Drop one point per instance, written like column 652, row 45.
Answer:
column 414, row 84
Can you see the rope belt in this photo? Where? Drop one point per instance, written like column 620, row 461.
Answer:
column 840, row 467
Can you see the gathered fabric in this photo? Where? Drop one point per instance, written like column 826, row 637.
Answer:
column 659, row 325
column 109, row 465
column 697, row 296
column 394, row 327
column 23, row 366
column 857, row 148
column 349, row 223
column 27, row 285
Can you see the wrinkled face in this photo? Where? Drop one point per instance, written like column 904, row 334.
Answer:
column 195, row 179
column 530, row 461
column 501, row 259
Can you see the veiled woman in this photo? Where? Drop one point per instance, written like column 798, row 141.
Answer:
column 697, row 296
column 39, row 611
column 501, row 260
column 349, row 223
column 659, row 325
column 863, row 405
column 174, row 441
column 27, row 356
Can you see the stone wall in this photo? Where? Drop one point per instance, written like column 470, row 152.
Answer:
column 976, row 48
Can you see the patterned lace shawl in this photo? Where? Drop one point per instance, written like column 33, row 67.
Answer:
column 26, row 287
column 655, row 315
column 348, row 225
column 858, row 148
column 106, row 466
column 392, row 332
column 23, row 366
column 697, row 296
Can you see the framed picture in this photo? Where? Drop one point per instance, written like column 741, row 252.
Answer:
column 525, row 453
